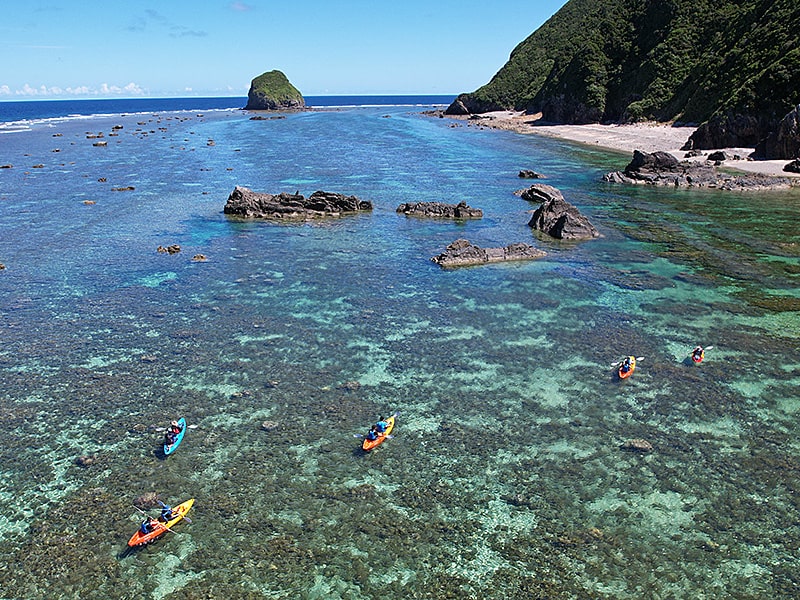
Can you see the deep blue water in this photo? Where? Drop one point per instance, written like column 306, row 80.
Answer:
column 505, row 477
column 16, row 111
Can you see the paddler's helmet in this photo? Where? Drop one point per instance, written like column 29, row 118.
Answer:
column 174, row 423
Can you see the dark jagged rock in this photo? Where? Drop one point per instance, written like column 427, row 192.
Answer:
column 528, row 174
column 792, row 167
column 726, row 131
column 461, row 254
column 243, row 202
column 555, row 216
column 784, row 141
column 440, row 210
column 661, row 168
column 272, row 91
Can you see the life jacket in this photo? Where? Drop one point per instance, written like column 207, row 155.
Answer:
column 381, row 426
column 372, row 435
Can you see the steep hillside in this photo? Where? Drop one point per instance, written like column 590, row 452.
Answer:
column 664, row 60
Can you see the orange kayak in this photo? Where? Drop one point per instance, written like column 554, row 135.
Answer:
column 629, row 372
column 368, row 445
column 160, row 528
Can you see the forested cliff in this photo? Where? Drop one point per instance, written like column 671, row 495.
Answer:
column 733, row 62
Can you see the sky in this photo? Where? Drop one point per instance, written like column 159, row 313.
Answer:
column 175, row 48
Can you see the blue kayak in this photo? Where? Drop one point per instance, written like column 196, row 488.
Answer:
column 178, row 439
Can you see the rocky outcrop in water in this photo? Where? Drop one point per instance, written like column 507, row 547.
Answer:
column 440, row 210
column 661, row 168
column 461, row 254
column 243, row 202
column 555, row 216
column 273, row 91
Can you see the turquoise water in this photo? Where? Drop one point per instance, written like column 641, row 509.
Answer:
column 505, row 477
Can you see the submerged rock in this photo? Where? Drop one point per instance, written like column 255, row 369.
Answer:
column 528, row 174
column 461, row 254
column 637, row 445
column 243, row 202
column 661, row 168
column 555, row 216
column 440, row 210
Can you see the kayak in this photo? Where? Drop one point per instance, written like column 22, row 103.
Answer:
column 626, row 374
column 698, row 359
column 368, row 445
column 160, row 528
column 178, row 439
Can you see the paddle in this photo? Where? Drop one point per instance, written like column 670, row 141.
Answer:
column 706, row 348
column 619, row 362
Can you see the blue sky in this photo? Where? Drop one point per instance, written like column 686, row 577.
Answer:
column 110, row 48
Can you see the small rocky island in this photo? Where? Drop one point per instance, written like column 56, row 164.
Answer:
column 462, row 254
column 245, row 203
column 662, row 168
column 272, row 91
column 555, row 216
column 440, row 210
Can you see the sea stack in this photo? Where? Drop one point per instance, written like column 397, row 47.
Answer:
column 272, row 91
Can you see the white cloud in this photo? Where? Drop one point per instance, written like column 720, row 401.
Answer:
column 240, row 7
column 104, row 89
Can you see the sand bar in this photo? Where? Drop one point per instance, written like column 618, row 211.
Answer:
column 647, row 137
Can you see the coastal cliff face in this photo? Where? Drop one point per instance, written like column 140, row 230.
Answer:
column 272, row 91
column 732, row 63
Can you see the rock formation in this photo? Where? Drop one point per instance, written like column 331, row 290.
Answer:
column 555, row 216
column 272, row 91
column 246, row 203
column 784, row 141
column 440, row 210
column 461, row 254
column 661, row 168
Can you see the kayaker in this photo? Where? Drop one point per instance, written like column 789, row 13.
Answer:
column 172, row 433
column 697, row 353
column 166, row 512
column 372, row 434
column 381, row 426
column 148, row 525
column 626, row 365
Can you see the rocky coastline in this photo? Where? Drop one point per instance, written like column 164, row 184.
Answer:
column 663, row 169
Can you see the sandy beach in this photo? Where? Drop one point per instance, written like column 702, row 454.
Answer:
column 647, row 137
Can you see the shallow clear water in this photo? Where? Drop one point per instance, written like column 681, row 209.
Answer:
column 505, row 477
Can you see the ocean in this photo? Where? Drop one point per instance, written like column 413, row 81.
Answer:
column 507, row 474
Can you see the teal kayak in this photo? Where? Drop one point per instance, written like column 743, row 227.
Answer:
column 178, row 439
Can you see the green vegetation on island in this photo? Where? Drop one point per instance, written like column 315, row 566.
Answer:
column 634, row 60
column 273, row 91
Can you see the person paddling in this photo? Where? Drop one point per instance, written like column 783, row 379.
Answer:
column 148, row 525
column 697, row 354
column 626, row 365
column 172, row 433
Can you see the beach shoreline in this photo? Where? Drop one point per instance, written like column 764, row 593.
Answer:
column 625, row 138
